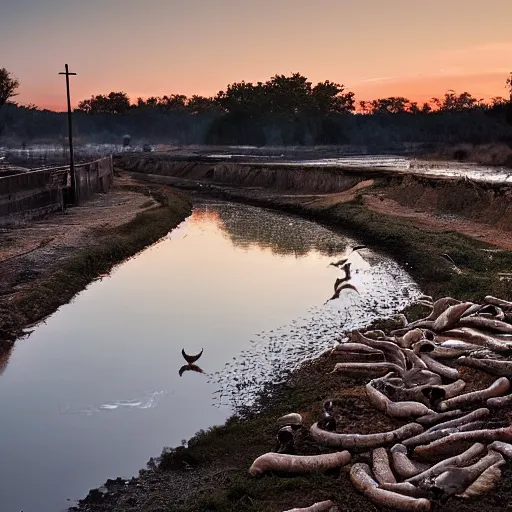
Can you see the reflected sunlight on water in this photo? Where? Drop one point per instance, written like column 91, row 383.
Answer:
column 96, row 390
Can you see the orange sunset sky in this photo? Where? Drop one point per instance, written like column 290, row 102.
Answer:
column 376, row 48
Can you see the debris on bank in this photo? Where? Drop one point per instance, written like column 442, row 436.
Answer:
column 453, row 437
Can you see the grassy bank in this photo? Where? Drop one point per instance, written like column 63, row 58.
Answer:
column 76, row 272
column 209, row 473
column 420, row 251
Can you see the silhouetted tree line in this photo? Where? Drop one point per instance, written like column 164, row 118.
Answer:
column 287, row 110
column 8, row 86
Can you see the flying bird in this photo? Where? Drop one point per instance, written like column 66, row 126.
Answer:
column 190, row 368
column 191, row 359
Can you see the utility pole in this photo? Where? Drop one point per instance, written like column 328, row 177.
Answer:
column 70, row 128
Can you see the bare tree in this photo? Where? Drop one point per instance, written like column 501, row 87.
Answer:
column 8, row 86
column 508, row 83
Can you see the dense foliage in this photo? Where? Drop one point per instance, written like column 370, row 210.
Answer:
column 285, row 110
column 8, row 86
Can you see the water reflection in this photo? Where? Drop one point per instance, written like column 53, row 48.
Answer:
column 343, row 261
column 101, row 377
column 5, row 355
column 147, row 400
column 343, row 284
column 369, row 286
column 282, row 234
column 190, row 368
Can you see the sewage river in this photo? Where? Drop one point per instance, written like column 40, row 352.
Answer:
column 95, row 390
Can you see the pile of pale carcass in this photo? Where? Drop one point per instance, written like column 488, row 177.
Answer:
column 451, row 444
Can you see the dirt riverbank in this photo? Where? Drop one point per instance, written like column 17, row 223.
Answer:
column 44, row 263
column 210, row 472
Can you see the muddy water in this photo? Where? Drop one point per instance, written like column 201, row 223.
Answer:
column 95, row 390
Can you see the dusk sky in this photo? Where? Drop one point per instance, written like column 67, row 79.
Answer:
column 154, row 47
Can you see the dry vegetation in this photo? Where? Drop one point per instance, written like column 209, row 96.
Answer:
column 498, row 154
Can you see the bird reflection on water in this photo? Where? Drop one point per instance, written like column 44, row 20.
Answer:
column 190, row 366
column 343, row 284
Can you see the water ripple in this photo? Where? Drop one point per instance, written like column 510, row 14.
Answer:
column 385, row 289
column 148, row 400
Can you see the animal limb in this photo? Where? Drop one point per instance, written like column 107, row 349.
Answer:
column 361, row 478
column 298, row 463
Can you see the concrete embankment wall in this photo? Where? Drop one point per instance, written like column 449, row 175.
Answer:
column 94, row 177
column 486, row 202
column 33, row 194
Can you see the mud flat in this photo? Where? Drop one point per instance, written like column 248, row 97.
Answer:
column 43, row 264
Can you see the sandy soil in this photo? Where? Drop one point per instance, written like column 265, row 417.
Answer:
column 419, row 217
column 326, row 200
column 432, row 220
column 33, row 250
